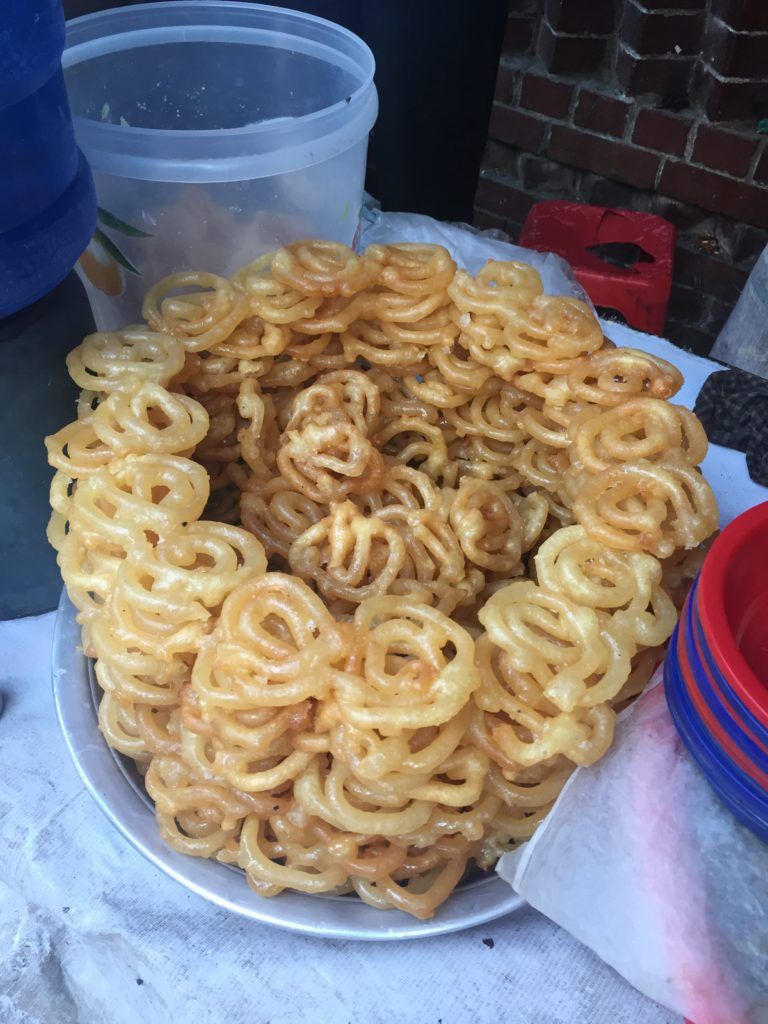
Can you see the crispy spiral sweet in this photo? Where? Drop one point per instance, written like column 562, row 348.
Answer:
column 640, row 428
column 200, row 320
column 105, row 361
column 349, row 555
column 324, row 268
column 369, row 553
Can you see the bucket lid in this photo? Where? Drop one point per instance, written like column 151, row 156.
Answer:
column 260, row 145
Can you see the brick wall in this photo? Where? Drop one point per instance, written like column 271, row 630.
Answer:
column 648, row 105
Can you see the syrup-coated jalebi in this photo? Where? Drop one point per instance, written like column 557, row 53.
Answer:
column 369, row 552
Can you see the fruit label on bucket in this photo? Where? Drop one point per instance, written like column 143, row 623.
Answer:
column 104, row 263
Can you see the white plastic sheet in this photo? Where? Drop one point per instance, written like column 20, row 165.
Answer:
column 641, row 862
column 468, row 246
column 743, row 341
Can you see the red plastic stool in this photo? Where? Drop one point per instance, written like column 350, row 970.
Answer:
column 638, row 290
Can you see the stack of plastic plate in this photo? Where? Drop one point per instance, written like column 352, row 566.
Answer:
column 716, row 670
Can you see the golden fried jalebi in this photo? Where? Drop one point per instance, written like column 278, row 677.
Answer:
column 369, row 553
column 328, row 461
column 520, row 727
column 569, row 649
column 640, row 428
column 106, row 361
column 199, row 320
column 644, row 506
column 324, row 268
column 488, row 525
column 348, row 554
column 147, row 418
column 611, row 377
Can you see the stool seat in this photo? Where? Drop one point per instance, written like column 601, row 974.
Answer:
column 585, row 235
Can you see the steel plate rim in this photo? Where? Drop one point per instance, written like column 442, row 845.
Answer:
column 111, row 789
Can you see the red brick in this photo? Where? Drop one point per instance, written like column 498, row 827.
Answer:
column 691, row 338
column 518, row 35
column 761, row 171
column 723, row 151
column 748, row 244
column 652, row 34
column 601, row 113
column 743, row 15
column 514, row 229
column 545, row 96
column 612, row 159
column 506, row 84
column 709, row 275
column 500, row 161
column 570, row 55
column 503, row 199
column 701, row 312
column 669, row 78
column 484, row 220
column 604, row 192
column 685, row 218
column 733, row 101
column 516, row 128
column 544, row 177
column 685, row 304
column 718, row 314
column 735, row 54
column 734, row 199
column 663, row 132
column 577, row 17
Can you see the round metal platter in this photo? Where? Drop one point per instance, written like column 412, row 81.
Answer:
column 117, row 788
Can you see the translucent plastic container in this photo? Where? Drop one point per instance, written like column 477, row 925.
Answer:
column 215, row 131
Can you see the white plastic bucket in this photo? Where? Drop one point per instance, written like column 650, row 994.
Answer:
column 216, row 131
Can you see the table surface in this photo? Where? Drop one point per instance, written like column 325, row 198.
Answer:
column 92, row 933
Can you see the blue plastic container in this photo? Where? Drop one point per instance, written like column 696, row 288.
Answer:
column 47, row 198
column 744, row 799
column 742, row 728
column 727, row 741
column 47, row 218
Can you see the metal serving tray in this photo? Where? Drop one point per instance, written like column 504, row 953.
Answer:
column 118, row 789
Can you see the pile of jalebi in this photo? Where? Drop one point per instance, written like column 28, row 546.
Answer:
column 368, row 552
